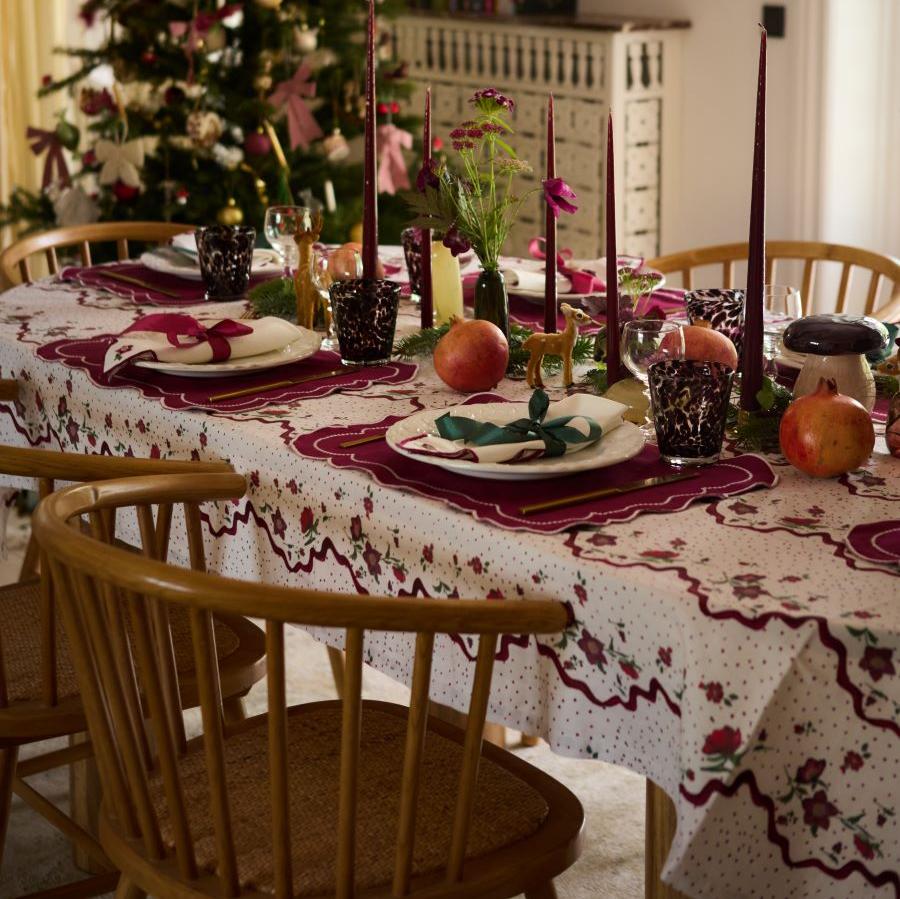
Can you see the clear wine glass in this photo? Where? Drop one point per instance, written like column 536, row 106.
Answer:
column 282, row 223
column 322, row 280
column 645, row 341
column 783, row 305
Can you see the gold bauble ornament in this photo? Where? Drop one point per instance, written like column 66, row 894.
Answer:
column 230, row 214
column 356, row 233
column 268, row 4
column 262, row 83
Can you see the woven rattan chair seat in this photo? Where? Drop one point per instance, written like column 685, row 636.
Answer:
column 20, row 644
column 506, row 808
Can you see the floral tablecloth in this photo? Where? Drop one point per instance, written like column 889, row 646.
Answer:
column 735, row 652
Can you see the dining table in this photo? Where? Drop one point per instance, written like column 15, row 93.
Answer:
column 736, row 642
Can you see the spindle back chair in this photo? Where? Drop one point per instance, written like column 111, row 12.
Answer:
column 884, row 271
column 15, row 257
column 39, row 697
column 340, row 799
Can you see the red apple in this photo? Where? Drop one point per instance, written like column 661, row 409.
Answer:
column 702, row 344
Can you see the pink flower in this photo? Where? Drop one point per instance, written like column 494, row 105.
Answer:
column 878, row 662
column 491, row 100
column 558, row 195
column 723, row 741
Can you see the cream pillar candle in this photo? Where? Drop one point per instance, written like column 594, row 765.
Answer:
column 446, row 284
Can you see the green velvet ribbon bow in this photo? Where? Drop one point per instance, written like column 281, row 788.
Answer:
column 556, row 433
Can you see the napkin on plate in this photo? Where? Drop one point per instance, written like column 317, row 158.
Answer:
column 548, row 429
column 531, row 279
column 176, row 337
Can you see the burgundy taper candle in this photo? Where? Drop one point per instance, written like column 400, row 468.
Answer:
column 426, row 301
column 550, row 298
column 613, row 351
column 370, row 163
column 754, row 301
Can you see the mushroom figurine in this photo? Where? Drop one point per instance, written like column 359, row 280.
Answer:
column 835, row 347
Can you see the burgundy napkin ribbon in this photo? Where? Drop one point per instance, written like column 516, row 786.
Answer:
column 583, row 280
column 177, row 325
column 500, row 502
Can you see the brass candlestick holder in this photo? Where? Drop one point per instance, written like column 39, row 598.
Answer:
column 309, row 298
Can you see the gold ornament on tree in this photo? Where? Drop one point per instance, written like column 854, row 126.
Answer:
column 204, row 128
column 230, row 213
column 268, row 4
column 309, row 300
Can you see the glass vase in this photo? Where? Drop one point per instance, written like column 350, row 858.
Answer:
column 446, row 284
column 491, row 300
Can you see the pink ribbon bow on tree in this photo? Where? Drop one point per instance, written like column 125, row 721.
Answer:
column 392, row 171
column 582, row 280
column 49, row 141
column 289, row 95
column 177, row 325
column 197, row 29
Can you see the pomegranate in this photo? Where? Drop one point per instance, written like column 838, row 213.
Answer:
column 471, row 356
column 826, row 433
column 702, row 344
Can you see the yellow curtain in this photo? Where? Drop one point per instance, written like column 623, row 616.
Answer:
column 29, row 30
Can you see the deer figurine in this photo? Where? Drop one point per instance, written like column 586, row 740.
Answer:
column 557, row 344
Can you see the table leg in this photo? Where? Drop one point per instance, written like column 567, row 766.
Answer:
column 661, row 821
column 84, row 793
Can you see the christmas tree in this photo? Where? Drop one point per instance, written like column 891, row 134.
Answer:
column 202, row 111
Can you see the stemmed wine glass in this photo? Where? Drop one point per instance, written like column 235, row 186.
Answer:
column 282, row 223
column 783, row 305
column 645, row 341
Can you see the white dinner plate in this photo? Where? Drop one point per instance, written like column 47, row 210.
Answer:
column 595, row 265
column 619, row 445
column 167, row 261
column 302, row 348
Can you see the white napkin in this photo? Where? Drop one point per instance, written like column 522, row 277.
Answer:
column 606, row 413
column 267, row 334
column 533, row 279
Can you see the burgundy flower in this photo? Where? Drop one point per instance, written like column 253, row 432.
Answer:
column 863, row 847
column 818, row 811
column 63, row 407
column 292, row 486
column 279, row 525
column 72, row 431
column 491, row 100
column 742, row 508
column 427, row 177
column 749, row 578
column 559, row 195
column 853, row 761
column 306, row 519
column 368, row 505
column 491, row 128
column 455, row 242
column 372, row 558
column 799, row 729
column 878, row 662
column 154, row 452
column 399, row 573
column 494, row 593
column 141, row 426
column 659, row 554
column 476, row 565
column 750, row 592
column 628, row 669
column 428, row 553
column 723, row 741
column 356, row 530
column 665, row 655
column 581, row 593
column 810, row 771
column 254, row 479
column 458, row 133
column 592, row 648
column 602, row 540
column 714, row 691
column 475, row 133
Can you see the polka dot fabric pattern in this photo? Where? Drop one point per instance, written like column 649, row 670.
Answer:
column 736, row 651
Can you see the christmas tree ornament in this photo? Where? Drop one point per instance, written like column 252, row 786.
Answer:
column 228, row 157
column 204, row 128
column 268, row 4
column 148, row 57
column 216, row 38
column 74, row 207
column 49, row 140
column 121, row 161
column 392, row 172
column 306, row 39
column 336, row 146
column 92, row 102
column 173, row 95
column 258, row 143
column 262, row 83
column 124, row 69
column 68, row 134
column 230, row 213
column 125, row 192
column 289, row 96
column 89, row 159
column 356, row 233
column 181, row 195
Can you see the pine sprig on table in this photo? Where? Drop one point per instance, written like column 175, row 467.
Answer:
column 423, row 342
column 759, row 430
column 276, row 297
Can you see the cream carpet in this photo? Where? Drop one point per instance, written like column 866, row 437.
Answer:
column 611, row 866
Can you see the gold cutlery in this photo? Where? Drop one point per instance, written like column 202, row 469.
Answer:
column 606, row 491
column 289, row 382
column 359, row 441
column 127, row 279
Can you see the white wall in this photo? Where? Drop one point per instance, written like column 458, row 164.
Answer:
column 711, row 201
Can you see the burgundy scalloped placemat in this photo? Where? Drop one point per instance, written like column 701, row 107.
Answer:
column 500, row 502
column 876, row 541
column 189, row 292
column 194, row 393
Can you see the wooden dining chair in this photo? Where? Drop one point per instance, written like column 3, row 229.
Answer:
column 342, row 798
column 884, row 271
column 14, row 259
column 39, row 695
